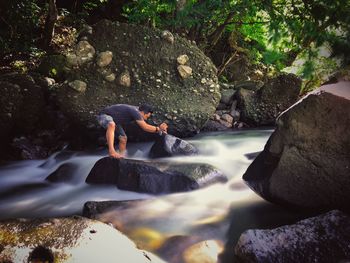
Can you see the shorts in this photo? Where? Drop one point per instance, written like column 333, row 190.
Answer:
column 104, row 120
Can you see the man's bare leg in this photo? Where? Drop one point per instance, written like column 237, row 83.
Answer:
column 122, row 145
column 110, row 140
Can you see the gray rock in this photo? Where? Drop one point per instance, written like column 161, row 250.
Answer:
column 168, row 145
column 153, row 177
column 214, row 126
column 249, row 85
column 261, row 107
column 227, row 96
column 322, row 239
column 171, row 93
column 78, row 85
column 306, row 160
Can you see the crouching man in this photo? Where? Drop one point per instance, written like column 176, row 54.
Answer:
column 114, row 117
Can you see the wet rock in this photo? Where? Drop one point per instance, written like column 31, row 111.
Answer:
column 71, row 239
column 64, row 173
column 322, row 239
column 306, row 161
column 168, row 145
column 153, row 177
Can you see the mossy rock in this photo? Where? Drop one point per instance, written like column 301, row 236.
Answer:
column 186, row 104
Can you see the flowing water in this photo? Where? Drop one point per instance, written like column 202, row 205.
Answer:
column 162, row 224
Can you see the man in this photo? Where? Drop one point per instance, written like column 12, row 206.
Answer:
column 114, row 117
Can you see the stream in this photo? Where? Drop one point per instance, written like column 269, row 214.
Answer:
column 166, row 224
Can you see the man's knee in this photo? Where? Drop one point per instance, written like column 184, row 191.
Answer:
column 111, row 125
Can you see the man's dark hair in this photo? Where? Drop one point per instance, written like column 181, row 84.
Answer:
column 146, row 108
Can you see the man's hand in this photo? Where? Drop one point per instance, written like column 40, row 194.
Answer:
column 116, row 155
column 164, row 127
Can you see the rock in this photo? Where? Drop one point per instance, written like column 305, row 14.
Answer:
column 249, row 85
column 168, row 36
column 227, row 96
column 228, row 118
column 184, row 71
column 64, row 173
column 182, row 60
column 104, row 58
column 84, row 52
column 153, row 177
column 143, row 55
column 214, row 126
column 110, row 77
column 78, row 85
column 72, row 60
column 324, row 238
column 124, row 79
column 261, row 107
column 235, row 115
column 70, row 239
column 306, row 161
column 168, row 145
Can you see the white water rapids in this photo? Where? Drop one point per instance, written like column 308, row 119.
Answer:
column 218, row 212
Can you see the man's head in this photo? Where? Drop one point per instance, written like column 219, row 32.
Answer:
column 146, row 111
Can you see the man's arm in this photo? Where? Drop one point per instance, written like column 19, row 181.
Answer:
column 146, row 127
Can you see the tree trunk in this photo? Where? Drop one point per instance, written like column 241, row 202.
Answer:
column 215, row 36
column 51, row 19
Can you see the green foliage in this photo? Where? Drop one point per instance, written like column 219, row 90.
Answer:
column 152, row 12
column 18, row 24
column 275, row 32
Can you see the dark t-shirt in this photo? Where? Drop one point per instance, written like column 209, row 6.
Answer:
column 122, row 113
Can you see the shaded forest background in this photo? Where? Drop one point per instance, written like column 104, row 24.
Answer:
column 259, row 38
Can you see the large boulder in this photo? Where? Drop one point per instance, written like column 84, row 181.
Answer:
column 71, row 239
column 324, row 238
column 306, row 161
column 124, row 63
column 153, row 177
column 168, row 145
column 263, row 105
